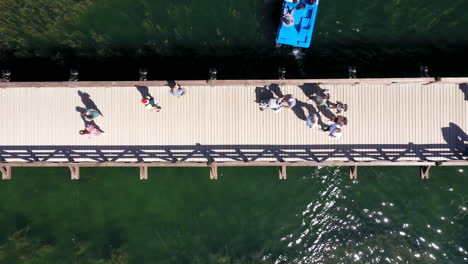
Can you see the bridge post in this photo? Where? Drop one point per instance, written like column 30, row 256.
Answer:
column 75, row 172
column 353, row 173
column 213, row 172
column 282, row 173
column 143, row 172
column 6, row 172
column 424, row 172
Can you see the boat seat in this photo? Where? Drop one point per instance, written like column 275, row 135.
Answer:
column 288, row 32
column 305, row 23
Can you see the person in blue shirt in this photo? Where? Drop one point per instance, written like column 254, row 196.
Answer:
column 177, row 90
column 90, row 114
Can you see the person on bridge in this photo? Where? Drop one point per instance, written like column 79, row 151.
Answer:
column 340, row 107
column 341, row 120
column 288, row 101
column 322, row 98
column 335, row 131
column 150, row 104
column 312, row 120
column 91, row 131
column 335, row 127
column 177, row 90
column 90, row 114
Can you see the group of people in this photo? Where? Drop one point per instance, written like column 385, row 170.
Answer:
column 322, row 99
column 335, row 126
column 288, row 12
column 277, row 104
column 89, row 115
column 152, row 105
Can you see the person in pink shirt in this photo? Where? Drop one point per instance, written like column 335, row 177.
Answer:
column 91, row 131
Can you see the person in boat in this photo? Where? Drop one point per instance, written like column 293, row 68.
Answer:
column 312, row 2
column 288, row 17
column 300, row 6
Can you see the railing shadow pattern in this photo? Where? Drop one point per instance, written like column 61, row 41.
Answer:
column 243, row 153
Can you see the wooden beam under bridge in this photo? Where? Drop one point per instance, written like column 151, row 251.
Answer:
column 6, row 172
column 74, row 167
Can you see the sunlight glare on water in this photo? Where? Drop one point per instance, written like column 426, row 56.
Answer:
column 335, row 230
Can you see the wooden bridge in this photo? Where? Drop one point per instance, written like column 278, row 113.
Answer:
column 392, row 122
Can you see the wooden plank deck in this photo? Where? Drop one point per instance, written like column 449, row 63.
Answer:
column 389, row 120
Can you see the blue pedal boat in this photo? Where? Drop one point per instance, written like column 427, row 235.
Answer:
column 297, row 23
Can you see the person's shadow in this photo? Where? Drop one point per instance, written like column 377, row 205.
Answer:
column 327, row 112
column 303, row 110
column 171, row 83
column 275, row 88
column 310, row 90
column 89, row 104
column 144, row 91
column 267, row 92
column 456, row 140
column 464, row 88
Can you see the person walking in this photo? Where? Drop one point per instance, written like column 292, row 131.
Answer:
column 312, row 120
column 341, row 120
column 90, row 131
column 335, row 131
column 335, row 128
column 177, row 90
column 90, row 114
column 150, row 104
column 340, row 107
column 322, row 98
column 288, row 101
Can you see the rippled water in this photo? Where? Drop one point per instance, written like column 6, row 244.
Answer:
column 367, row 221
column 317, row 216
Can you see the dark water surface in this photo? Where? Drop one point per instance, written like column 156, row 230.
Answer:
column 112, row 39
column 248, row 216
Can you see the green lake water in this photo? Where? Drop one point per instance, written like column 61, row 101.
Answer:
column 318, row 216
column 112, row 39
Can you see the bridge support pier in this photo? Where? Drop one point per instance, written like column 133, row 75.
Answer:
column 282, row 173
column 213, row 172
column 353, row 173
column 6, row 172
column 143, row 172
column 424, row 171
column 75, row 172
